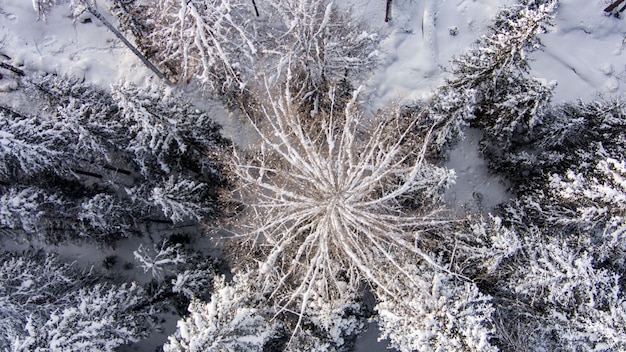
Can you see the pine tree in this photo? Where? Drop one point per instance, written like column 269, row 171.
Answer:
column 29, row 145
column 50, row 305
column 84, row 147
column 437, row 312
column 29, row 208
column 233, row 320
column 165, row 131
column 490, row 87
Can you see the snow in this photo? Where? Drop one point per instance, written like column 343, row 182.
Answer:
column 475, row 188
column 419, row 44
column 368, row 340
column 84, row 49
column 584, row 53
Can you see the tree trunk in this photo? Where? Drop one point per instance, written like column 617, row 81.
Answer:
column 613, row 5
column 126, row 42
column 12, row 68
column 256, row 10
column 388, row 11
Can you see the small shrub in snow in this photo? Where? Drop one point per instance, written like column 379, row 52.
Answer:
column 155, row 261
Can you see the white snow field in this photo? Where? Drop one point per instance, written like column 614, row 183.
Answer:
column 584, row 54
column 420, row 40
column 86, row 49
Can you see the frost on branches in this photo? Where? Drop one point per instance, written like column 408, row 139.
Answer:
column 329, row 325
column 212, row 39
column 490, row 87
column 155, row 261
column 231, row 321
column 438, row 314
column 327, row 202
column 47, row 305
column 319, row 46
column 83, row 162
column 223, row 44
column 600, row 204
column 569, row 279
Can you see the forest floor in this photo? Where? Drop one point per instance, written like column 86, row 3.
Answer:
column 584, row 54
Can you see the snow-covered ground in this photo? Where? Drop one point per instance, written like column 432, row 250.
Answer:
column 584, row 54
column 84, row 48
column 584, row 51
column 419, row 42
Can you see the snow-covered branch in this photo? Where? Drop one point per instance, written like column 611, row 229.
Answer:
column 325, row 197
column 156, row 260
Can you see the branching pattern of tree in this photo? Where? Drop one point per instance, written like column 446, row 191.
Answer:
column 326, row 201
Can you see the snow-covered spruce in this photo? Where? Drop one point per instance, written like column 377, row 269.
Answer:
column 600, row 205
column 82, row 162
column 329, row 325
column 29, row 145
column 46, row 305
column 574, row 136
column 570, row 291
column 504, row 49
column 166, row 131
column 490, row 86
column 438, row 313
column 231, row 321
column 562, row 299
column 25, row 208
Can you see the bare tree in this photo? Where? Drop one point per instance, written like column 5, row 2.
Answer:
column 319, row 47
column 222, row 45
column 211, row 40
column 325, row 202
column 388, row 11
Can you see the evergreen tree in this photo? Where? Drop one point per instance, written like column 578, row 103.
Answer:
column 165, row 131
column 490, row 87
column 233, row 320
column 48, row 305
column 87, row 146
column 439, row 313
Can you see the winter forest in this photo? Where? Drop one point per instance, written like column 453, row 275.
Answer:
column 247, row 184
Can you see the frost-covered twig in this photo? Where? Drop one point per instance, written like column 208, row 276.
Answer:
column 156, row 260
